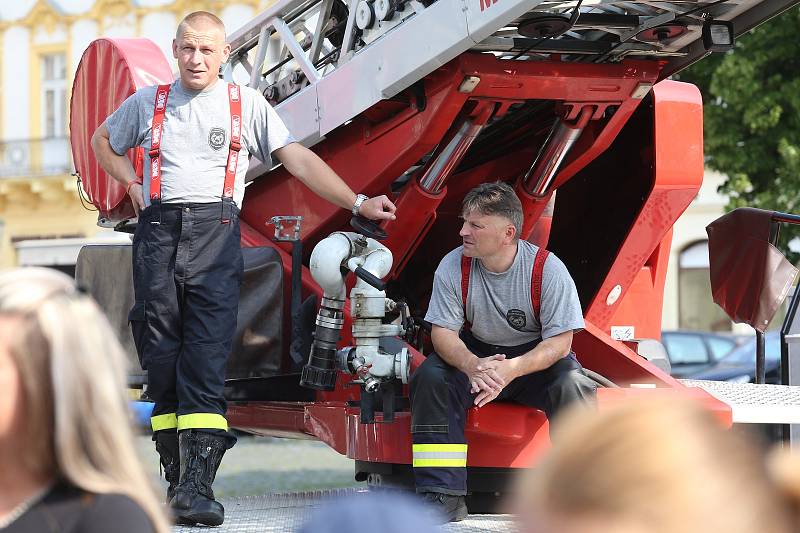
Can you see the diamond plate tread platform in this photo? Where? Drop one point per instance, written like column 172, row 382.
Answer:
column 286, row 512
column 752, row 403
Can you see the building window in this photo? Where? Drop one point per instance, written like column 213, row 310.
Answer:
column 697, row 309
column 54, row 95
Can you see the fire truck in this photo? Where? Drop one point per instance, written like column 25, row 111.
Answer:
column 570, row 102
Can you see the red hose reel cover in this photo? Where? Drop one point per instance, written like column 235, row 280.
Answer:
column 110, row 71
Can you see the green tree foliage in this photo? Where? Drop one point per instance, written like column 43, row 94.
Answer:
column 751, row 101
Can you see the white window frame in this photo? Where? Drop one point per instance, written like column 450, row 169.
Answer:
column 58, row 87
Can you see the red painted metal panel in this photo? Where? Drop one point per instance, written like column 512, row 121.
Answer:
column 646, row 292
column 678, row 171
column 499, row 434
column 284, row 419
column 419, row 209
column 110, row 71
column 532, row 209
column 597, row 351
column 678, row 135
column 553, row 80
column 540, row 233
column 506, row 435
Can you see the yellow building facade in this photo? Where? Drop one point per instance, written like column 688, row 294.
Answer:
column 42, row 219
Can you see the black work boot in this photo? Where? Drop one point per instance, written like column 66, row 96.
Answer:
column 167, row 447
column 450, row 508
column 193, row 503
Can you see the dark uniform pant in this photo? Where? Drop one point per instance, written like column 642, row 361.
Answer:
column 440, row 397
column 187, row 269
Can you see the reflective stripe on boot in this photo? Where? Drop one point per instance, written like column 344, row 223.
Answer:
column 201, row 454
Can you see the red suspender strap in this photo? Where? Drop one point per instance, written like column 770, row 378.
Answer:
column 236, row 140
column 466, row 270
column 162, row 94
column 160, row 107
column 536, row 281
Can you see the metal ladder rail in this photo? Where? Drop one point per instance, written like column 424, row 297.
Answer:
column 254, row 46
column 374, row 72
column 286, row 19
column 411, row 48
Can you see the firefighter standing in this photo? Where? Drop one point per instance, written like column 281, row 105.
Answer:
column 198, row 134
column 503, row 313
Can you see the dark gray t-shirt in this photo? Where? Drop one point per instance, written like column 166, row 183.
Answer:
column 499, row 305
column 194, row 144
column 67, row 509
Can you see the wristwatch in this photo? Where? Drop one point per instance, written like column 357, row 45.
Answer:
column 357, row 205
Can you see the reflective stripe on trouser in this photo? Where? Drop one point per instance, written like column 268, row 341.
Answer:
column 202, row 421
column 439, row 455
column 438, row 414
column 187, row 270
column 166, row 421
column 440, row 397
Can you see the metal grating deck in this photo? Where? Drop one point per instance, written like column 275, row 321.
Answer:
column 755, row 404
column 285, row 513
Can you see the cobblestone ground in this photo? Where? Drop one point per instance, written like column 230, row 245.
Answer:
column 258, row 472
column 260, row 465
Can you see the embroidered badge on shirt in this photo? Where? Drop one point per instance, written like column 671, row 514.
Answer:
column 516, row 319
column 216, row 138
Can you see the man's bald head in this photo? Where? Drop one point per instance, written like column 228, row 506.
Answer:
column 200, row 48
column 200, row 19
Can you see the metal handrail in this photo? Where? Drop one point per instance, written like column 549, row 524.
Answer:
column 35, row 157
column 777, row 219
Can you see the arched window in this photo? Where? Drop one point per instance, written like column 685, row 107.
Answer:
column 697, row 309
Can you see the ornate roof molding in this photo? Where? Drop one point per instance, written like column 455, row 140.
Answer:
column 44, row 13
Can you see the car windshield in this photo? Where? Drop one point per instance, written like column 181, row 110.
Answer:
column 746, row 353
column 684, row 348
column 691, row 348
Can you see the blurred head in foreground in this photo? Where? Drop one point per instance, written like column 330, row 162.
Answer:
column 654, row 466
column 63, row 400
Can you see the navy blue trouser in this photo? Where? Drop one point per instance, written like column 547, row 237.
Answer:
column 187, row 269
column 440, row 397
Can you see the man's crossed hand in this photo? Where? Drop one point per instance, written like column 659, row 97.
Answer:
column 489, row 375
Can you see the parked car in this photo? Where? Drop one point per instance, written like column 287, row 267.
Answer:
column 691, row 352
column 739, row 366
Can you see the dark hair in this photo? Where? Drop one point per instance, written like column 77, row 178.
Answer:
column 496, row 198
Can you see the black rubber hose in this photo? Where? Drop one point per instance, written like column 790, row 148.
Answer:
column 370, row 278
column 297, row 268
column 599, row 379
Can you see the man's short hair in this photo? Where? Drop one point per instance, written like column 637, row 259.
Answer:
column 496, row 198
column 200, row 16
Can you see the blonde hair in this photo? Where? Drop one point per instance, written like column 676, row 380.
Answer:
column 200, row 17
column 653, row 466
column 72, row 370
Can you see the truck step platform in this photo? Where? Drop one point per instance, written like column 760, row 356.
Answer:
column 287, row 512
column 755, row 404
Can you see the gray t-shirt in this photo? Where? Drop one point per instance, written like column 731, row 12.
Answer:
column 195, row 140
column 499, row 305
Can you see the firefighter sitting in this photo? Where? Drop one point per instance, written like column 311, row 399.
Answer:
column 503, row 313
